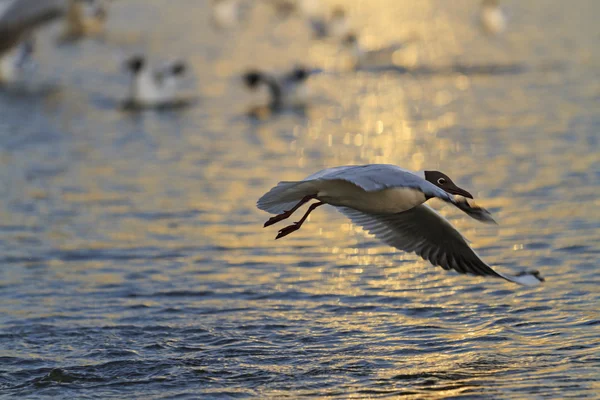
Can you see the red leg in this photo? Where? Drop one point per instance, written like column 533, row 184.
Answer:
column 287, row 214
column 296, row 225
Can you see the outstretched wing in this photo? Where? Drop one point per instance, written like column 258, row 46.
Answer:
column 423, row 231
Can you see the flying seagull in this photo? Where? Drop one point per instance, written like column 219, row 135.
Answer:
column 388, row 202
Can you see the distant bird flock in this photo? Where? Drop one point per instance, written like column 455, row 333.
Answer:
column 385, row 200
column 156, row 86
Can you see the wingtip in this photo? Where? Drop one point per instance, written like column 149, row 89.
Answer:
column 526, row 278
column 534, row 273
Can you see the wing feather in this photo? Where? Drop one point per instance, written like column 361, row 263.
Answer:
column 423, row 231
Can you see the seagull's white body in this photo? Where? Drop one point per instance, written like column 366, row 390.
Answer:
column 19, row 18
column 12, row 63
column 9, row 70
column 339, row 26
column 492, row 19
column 226, row 14
column 294, row 93
column 362, row 57
column 368, row 188
column 388, row 202
column 146, row 90
column 373, row 58
column 366, row 191
column 154, row 87
column 310, row 8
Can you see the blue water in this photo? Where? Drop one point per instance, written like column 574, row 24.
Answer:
column 134, row 263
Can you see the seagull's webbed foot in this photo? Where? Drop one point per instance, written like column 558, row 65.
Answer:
column 277, row 218
column 288, row 213
column 288, row 229
column 296, row 225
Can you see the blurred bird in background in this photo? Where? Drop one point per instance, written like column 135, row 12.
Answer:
column 383, row 57
column 336, row 25
column 85, row 18
column 19, row 20
column 226, row 14
column 14, row 62
column 492, row 18
column 154, row 87
column 286, row 90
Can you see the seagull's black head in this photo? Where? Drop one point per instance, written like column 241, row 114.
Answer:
column 300, row 74
column 101, row 13
column 252, row 78
column 444, row 182
column 338, row 13
column 135, row 64
column 178, row 68
column 350, row 39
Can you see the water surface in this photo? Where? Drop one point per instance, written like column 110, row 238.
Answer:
column 134, row 262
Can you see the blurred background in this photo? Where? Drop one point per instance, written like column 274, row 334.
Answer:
column 133, row 258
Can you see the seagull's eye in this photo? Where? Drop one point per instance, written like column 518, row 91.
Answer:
column 441, row 181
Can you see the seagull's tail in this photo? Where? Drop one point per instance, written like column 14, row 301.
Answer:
column 285, row 196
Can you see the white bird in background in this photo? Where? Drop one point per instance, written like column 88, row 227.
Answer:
column 85, row 18
column 154, row 87
column 388, row 202
column 285, row 90
column 226, row 14
column 20, row 18
column 374, row 58
column 13, row 62
column 491, row 18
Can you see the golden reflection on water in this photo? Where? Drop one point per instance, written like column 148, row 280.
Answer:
column 164, row 203
column 156, row 184
column 378, row 118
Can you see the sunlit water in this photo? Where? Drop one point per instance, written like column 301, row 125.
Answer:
column 134, row 263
